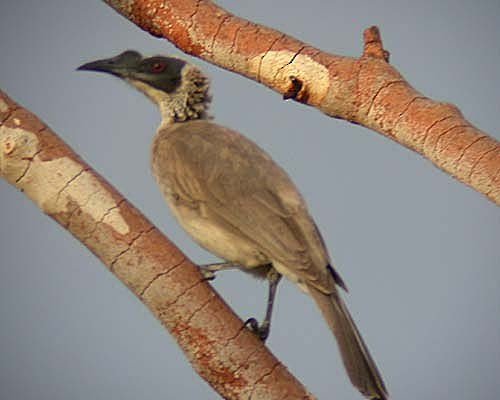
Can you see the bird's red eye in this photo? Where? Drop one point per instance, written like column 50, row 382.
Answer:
column 157, row 67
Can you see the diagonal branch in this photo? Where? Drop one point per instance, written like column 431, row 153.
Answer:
column 366, row 90
column 36, row 161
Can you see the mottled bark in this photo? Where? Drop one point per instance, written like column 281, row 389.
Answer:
column 365, row 90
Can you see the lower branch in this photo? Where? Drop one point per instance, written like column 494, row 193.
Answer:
column 228, row 356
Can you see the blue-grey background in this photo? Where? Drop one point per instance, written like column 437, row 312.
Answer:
column 419, row 251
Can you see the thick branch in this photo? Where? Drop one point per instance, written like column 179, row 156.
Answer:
column 365, row 90
column 230, row 358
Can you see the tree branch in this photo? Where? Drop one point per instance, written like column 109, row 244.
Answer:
column 365, row 90
column 228, row 356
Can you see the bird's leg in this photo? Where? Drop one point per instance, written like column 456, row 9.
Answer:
column 208, row 270
column 262, row 330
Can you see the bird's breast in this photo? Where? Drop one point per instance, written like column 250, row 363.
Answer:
column 214, row 234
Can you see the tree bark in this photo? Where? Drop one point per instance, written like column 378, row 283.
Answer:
column 366, row 90
column 223, row 352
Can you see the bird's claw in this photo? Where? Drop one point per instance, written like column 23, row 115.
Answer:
column 207, row 274
column 261, row 330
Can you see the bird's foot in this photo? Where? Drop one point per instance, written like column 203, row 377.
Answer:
column 208, row 270
column 207, row 274
column 261, row 330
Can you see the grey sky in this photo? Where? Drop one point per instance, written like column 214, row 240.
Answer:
column 419, row 251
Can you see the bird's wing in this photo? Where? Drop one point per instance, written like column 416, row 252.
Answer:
column 233, row 178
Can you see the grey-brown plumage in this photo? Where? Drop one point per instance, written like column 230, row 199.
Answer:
column 235, row 201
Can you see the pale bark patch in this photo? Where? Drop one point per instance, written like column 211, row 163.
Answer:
column 312, row 74
column 17, row 148
column 56, row 185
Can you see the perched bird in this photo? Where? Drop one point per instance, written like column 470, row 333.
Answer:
column 236, row 202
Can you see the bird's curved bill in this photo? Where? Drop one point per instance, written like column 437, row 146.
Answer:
column 121, row 65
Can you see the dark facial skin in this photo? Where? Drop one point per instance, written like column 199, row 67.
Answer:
column 163, row 73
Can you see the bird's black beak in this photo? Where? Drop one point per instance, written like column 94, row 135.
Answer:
column 99, row 65
column 121, row 65
column 107, row 65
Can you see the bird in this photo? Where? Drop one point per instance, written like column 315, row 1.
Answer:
column 235, row 201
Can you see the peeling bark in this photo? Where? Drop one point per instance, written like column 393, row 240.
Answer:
column 227, row 355
column 366, row 90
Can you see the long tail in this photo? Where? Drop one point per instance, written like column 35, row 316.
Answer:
column 358, row 362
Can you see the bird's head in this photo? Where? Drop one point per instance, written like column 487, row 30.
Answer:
column 180, row 89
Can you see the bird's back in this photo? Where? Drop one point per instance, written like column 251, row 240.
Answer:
column 213, row 175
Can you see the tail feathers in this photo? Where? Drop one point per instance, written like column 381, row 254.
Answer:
column 358, row 362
